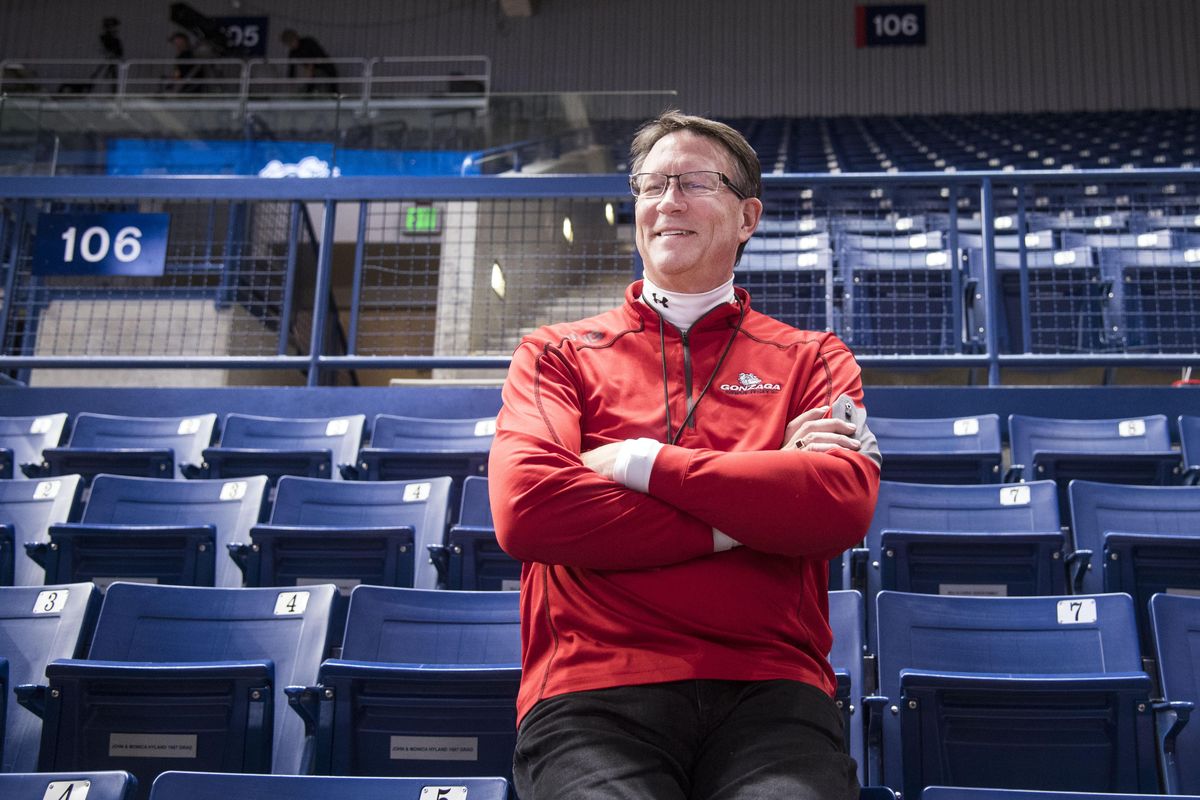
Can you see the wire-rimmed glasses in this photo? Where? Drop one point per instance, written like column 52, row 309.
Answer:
column 698, row 183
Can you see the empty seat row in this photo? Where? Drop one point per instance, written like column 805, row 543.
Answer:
column 208, row 533
column 179, row 677
column 425, row 684
column 957, row 450
column 1007, row 540
column 1044, row 693
column 166, row 447
column 1135, row 450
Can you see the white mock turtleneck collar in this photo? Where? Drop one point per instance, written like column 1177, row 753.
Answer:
column 682, row 310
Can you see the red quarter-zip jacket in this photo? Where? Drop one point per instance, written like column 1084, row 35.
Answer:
column 620, row 587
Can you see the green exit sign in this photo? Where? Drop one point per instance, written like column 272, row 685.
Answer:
column 421, row 219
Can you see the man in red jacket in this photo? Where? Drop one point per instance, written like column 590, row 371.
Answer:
column 675, row 475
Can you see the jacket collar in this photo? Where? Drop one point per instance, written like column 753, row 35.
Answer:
column 720, row 318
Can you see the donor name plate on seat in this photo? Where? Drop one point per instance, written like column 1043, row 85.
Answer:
column 152, row 745
column 101, row 244
column 434, row 748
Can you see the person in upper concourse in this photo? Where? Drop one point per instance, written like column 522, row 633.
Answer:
column 307, row 58
column 675, row 475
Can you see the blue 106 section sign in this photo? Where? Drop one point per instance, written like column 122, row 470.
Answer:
column 881, row 26
column 100, row 244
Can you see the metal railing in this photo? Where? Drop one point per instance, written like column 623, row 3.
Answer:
column 980, row 271
column 375, row 79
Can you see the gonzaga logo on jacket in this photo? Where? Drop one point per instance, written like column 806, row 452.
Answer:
column 749, row 383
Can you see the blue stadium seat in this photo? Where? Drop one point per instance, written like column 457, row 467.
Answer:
column 847, row 619
column 185, row 677
column 1133, row 451
column 37, row 626
column 472, row 558
column 1010, row 242
column 899, row 302
column 1161, row 240
column 404, row 448
column 949, row 450
column 22, row 440
column 27, row 510
column 1175, row 621
column 68, row 786
column 795, row 287
column 1157, row 298
column 347, row 533
column 1189, row 439
column 220, row 786
column 1050, row 301
column 148, row 447
column 991, row 539
column 274, row 446
column 168, row 531
column 966, row 793
column 1012, row 692
column 1140, row 540
column 426, row 684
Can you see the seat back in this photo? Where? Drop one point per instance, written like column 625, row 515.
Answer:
column 30, row 508
column 225, row 786
column 899, row 301
column 290, row 628
column 356, row 505
column 186, row 437
column 415, row 626
column 1015, row 635
column 428, row 682
column 68, row 786
column 232, row 506
column 473, row 556
column 476, row 507
column 1100, row 508
column 1066, row 671
column 38, row 625
column 24, row 438
column 1109, row 437
column 1031, row 434
column 1157, row 297
column 954, row 509
column 431, row 435
column 982, row 509
column 312, row 502
column 340, row 436
column 1175, row 621
column 945, row 451
column 1189, row 440
column 847, row 621
column 1135, row 451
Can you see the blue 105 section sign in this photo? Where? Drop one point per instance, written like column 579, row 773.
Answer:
column 100, row 244
column 877, row 26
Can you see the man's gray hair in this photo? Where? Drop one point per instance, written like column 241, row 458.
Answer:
column 747, row 170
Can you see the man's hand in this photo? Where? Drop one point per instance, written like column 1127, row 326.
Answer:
column 813, row 432
column 602, row 459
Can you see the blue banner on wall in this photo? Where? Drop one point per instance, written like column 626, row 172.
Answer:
column 101, row 244
column 271, row 159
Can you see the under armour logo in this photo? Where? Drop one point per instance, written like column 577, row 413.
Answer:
column 662, row 301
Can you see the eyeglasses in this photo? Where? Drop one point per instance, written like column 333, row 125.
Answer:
column 693, row 184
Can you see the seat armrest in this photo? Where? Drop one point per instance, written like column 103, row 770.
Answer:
column 1170, row 718
column 876, row 706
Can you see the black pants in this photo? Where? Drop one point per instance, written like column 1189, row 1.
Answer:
column 688, row 740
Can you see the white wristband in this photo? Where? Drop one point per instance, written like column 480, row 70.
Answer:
column 635, row 462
